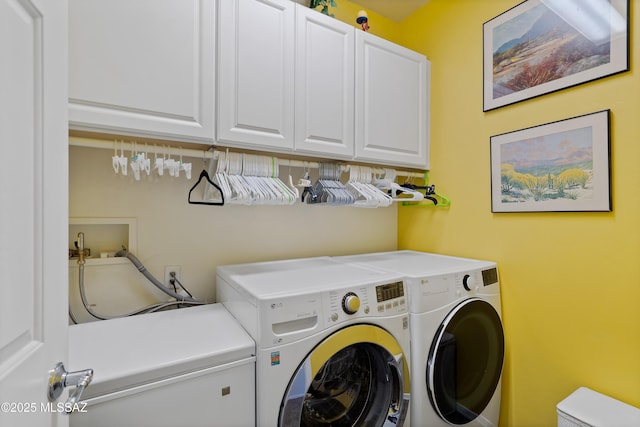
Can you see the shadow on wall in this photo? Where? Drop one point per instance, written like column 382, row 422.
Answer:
column 197, row 238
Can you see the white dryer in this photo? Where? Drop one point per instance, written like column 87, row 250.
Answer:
column 332, row 341
column 457, row 339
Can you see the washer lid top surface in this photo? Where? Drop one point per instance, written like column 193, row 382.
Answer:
column 136, row 350
column 417, row 264
column 275, row 279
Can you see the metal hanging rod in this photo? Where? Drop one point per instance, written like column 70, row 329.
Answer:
column 203, row 154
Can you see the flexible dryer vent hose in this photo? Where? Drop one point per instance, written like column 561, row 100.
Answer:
column 142, row 269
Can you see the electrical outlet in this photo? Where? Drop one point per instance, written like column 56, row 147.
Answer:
column 168, row 269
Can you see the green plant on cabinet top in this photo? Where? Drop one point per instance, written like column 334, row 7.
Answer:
column 324, row 4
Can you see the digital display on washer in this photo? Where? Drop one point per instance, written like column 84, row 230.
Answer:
column 489, row 277
column 389, row 291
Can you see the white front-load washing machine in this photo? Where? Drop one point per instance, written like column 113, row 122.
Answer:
column 457, row 339
column 332, row 341
column 188, row 367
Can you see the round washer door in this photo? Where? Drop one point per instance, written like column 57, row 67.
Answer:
column 356, row 376
column 465, row 361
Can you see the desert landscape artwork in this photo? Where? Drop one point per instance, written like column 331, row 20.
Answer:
column 558, row 166
column 533, row 49
column 549, row 49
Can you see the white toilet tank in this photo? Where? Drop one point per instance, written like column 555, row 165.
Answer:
column 587, row 408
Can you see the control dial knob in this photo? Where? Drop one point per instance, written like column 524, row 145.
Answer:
column 468, row 282
column 350, row 303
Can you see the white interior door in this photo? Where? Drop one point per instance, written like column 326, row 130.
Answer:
column 34, row 207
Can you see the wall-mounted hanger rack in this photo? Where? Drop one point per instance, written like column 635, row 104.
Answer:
column 432, row 198
column 200, row 154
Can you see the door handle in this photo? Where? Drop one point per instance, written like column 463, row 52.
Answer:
column 59, row 378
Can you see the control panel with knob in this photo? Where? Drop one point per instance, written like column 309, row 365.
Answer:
column 350, row 303
column 468, row 282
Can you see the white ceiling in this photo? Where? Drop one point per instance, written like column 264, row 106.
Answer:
column 396, row 10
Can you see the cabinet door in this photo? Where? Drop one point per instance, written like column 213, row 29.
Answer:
column 255, row 73
column 392, row 117
column 324, row 90
column 143, row 68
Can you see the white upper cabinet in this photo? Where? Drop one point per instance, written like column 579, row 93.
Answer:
column 324, row 84
column 392, row 101
column 143, row 68
column 268, row 75
column 256, row 69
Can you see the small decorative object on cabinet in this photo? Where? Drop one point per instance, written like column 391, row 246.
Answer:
column 542, row 46
column 324, row 5
column 363, row 20
column 562, row 166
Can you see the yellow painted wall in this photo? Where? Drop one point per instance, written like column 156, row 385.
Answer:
column 378, row 24
column 570, row 281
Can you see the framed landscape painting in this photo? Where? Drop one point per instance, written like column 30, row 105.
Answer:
column 541, row 46
column 562, row 166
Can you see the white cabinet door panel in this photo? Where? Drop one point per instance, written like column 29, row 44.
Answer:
column 392, row 118
column 324, row 84
column 255, row 80
column 143, row 67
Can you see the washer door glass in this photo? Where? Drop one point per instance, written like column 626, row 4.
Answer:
column 344, row 382
column 465, row 361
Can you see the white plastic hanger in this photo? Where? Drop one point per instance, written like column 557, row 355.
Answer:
column 397, row 193
column 122, row 160
column 135, row 165
column 366, row 194
column 115, row 159
column 145, row 161
column 292, row 187
column 219, row 177
column 158, row 164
